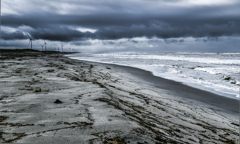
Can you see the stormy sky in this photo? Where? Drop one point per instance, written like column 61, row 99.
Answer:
column 126, row 25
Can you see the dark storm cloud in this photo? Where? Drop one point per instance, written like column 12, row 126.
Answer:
column 211, row 39
column 116, row 27
column 14, row 35
column 108, row 42
column 56, row 33
column 181, row 40
column 208, row 39
column 81, row 43
column 170, row 41
column 134, row 41
column 171, row 20
column 14, row 43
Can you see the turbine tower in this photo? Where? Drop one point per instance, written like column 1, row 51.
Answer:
column 62, row 47
column 45, row 45
column 42, row 46
column 30, row 41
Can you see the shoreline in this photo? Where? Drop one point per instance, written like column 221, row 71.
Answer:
column 184, row 90
column 197, row 85
column 48, row 98
column 199, row 96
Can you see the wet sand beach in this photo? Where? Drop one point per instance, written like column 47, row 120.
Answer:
column 49, row 98
column 215, row 101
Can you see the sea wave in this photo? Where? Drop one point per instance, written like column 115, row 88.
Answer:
column 214, row 72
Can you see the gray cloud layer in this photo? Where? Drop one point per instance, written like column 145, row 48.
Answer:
column 59, row 20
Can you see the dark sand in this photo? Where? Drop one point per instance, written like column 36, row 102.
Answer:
column 102, row 104
column 182, row 90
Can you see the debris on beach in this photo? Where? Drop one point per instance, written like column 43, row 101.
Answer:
column 227, row 78
column 51, row 70
column 58, row 101
column 38, row 90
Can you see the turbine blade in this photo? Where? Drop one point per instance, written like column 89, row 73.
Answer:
column 30, row 37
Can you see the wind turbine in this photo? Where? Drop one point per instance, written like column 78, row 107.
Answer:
column 45, row 45
column 42, row 46
column 58, row 49
column 62, row 47
column 30, row 41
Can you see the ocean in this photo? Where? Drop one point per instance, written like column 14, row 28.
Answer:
column 215, row 72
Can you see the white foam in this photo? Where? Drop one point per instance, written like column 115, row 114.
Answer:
column 218, row 73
